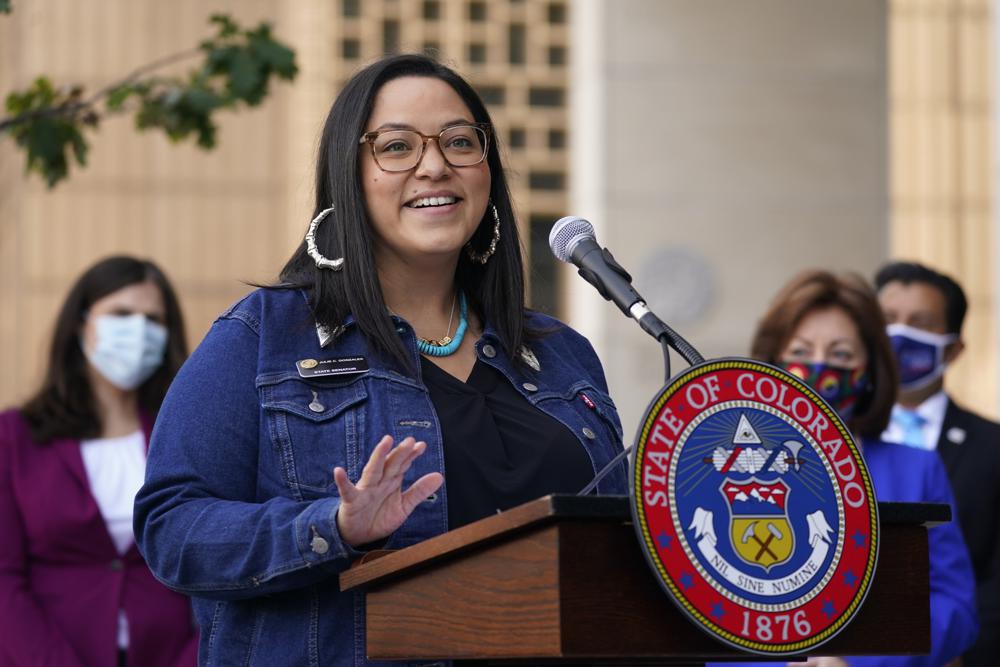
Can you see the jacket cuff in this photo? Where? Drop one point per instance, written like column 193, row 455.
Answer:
column 319, row 538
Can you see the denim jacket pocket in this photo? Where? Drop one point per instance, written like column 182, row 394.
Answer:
column 606, row 411
column 597, row 410
column 602, row 434
column 314, row 427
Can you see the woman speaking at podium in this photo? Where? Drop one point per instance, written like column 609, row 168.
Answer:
column 828, row 330
column 391, row 387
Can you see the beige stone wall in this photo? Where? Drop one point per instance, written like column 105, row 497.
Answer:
column 941, row 106
column 210, row 219
column 730, row 144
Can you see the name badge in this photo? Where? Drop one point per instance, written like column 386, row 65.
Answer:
column 319, row 368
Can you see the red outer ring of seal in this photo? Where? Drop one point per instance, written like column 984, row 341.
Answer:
column 800, row 624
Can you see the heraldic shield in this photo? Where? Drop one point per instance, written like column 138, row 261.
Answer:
column 758, row 523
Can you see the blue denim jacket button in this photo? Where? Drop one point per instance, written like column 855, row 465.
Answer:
column 529, row 387
column 489, row 351
column 319, row 545
column 589, row 433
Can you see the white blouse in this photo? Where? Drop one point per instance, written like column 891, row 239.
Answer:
column 116, row 468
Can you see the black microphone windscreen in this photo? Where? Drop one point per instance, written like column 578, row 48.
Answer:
column 567, row 233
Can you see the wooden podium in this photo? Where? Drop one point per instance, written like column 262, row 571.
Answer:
column 562, row 580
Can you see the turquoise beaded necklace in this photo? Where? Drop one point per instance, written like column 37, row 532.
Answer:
column 451, row 345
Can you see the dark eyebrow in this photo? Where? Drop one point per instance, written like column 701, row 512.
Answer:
column 393, row 126
column 404, row 126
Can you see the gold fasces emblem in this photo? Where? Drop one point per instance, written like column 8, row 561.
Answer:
column 308, row 363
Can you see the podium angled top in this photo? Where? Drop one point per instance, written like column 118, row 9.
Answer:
column 382, row 565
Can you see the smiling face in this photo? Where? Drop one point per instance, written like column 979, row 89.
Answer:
column 429, row 212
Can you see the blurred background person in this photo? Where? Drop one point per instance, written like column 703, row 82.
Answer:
column 74, row 590
column 829, row 327
column 925, row 310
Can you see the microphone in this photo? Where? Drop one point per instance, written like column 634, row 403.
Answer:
column 572, row 240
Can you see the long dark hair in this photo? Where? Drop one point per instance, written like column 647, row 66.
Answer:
column 814, row 290
column 495, row 290
column 64, row 407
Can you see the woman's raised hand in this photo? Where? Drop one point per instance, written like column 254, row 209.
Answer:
column 377, row 505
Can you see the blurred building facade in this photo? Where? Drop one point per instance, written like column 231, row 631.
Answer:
column 220, row 219
column 943, row 180
column 718, row 147
column 721, row 147
column 745, row 142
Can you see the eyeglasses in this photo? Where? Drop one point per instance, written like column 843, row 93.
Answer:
column 401, row 150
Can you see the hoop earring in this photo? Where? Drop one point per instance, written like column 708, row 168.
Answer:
column 321, row 261
column 484, row 257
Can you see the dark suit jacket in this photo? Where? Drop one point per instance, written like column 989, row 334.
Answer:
column 970, row 449
column 62, row 580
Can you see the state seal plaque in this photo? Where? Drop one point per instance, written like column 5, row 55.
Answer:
column 754, row 507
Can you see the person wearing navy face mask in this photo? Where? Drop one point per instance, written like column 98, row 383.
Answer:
column 828, row 330
column 74, row 590
column 925, row 310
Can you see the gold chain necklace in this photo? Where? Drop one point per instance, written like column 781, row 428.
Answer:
column 447, row 334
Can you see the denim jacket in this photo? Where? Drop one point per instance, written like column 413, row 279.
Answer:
column 239, row 505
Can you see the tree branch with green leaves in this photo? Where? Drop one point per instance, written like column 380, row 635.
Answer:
column 238, row 65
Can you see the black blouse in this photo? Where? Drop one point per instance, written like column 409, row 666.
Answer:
column 499, row 450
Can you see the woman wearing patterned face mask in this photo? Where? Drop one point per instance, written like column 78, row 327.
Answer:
column 828, row 330
column 74, row 590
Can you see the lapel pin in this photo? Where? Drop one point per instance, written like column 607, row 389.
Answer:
column 327, row 335
column 956, row 435
column 529, row 358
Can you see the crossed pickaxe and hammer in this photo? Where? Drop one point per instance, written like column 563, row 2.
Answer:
column 765, row 545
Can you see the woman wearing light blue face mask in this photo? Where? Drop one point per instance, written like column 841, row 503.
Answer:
column 828, row 330
column 74, row 589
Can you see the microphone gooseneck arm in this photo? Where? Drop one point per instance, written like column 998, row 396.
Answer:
column 668, row 338
column 572, row 240
column 612, row 464
column 662, row 332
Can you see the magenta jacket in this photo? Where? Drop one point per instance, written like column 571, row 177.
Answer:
column 62, row 581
